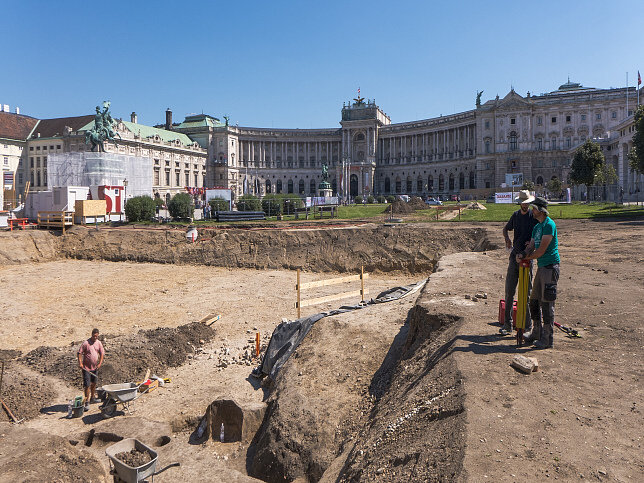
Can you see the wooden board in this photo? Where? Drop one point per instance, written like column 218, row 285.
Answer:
column 90, row 208
column 328, row 298
column 210, row 319
column 331, row 281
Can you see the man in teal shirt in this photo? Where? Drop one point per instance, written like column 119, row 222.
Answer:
column 543, row 247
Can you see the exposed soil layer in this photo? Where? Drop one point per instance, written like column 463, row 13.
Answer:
column 407, row 248
column 126, row 357
column 24, row 392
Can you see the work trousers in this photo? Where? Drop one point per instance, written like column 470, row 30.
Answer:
column 542, row 304
column 511, row 280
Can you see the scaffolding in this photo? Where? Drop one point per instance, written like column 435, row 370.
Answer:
column 88, row 168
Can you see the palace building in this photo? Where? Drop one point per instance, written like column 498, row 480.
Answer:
column 467, row 153
column 471, row 151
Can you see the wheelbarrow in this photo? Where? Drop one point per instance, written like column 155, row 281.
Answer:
column 119, row 395
column 129, row 474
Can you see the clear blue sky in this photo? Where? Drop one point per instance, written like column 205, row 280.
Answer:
column 292, row 64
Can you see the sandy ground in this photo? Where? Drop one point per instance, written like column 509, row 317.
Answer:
column 578, row 418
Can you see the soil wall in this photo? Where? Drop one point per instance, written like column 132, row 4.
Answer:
column 412, row 249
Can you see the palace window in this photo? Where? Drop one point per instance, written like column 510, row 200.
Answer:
column 487, row 147
column 553, row 143
column 598, row 116
column 553, row 120
column 568, row 142
column 487, row 124
column 539, row 143
column 539, row 121
column 513, row 141
column 513, row 120
column 583, row 117
column 613, row 115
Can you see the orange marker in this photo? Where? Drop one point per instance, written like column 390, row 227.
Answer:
column 257, row 344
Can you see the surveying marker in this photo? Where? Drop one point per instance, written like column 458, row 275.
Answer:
column 522, row 302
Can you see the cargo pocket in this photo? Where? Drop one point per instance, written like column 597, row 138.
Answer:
column 550, row 292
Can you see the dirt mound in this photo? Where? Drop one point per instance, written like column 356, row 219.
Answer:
column 126, row 357
column 475, row 206
column 24, row 392
column 417, row 203
column 28, row 246
column 401, row 207
column 321, row 394
column 322, row 423
column 32, row 456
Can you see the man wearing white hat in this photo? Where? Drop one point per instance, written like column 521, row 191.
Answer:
column 521, row 222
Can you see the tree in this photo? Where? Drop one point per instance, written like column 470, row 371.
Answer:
column 218, row 204
column 181, row 206
column 588, row 159
column 249, row 203
column 636, row 154
column 555, row 186
column 271, row 205
column 605, row 174
column 140, row 208
column 528, row 185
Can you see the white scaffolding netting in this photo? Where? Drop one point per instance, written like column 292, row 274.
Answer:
column 97, row 169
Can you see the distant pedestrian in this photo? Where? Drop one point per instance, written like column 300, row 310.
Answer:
column 90, row 359
column 521, row 223
column 543, row 247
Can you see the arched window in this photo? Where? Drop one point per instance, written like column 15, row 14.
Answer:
column 461, row 181
column 419, row 185
column 312, row 189
column 398, row 184
column 353, row 185
column 472, row 180
column 441, row 182
column 487, row 146
column 290, row 186
column 359, row 137
column 539, row 181
column 387, row 185
column 451, row 181
column 278, row 186
column 301, row 187
column 513, row 141
column 408, row 184
column 268, row 186
column 430, row 183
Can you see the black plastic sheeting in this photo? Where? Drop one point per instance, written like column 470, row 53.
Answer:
column 289, row 335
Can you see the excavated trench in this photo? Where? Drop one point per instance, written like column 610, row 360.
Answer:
column 397, row 415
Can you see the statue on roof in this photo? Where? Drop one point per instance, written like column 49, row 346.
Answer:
column 478, row 98
column 103, row 129
column 227, row 118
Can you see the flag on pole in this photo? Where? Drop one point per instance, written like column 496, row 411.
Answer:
column 639, row 78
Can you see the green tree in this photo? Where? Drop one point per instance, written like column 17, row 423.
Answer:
column 555, row 186
column 140, row 208
column 249, row 203
column 271, row 205
column 181, row 206
column 588, row 159
column 391, row 199
column 358, row 200
column 218, row 204
column 370, row 199
column 605, row 174
column 636, row 154
column 528, row 185
column 158, row 201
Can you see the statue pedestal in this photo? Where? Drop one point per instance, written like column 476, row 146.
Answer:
column 326, row 192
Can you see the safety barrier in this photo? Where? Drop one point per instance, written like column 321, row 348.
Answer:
column 55, row 219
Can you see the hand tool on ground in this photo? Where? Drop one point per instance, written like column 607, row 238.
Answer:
column 6, row 408
column 568, row 330
column 522, row 298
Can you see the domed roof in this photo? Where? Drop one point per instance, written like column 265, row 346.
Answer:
column 569, row 86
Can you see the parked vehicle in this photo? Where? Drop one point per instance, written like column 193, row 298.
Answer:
column 404, row 198
column 433, row 202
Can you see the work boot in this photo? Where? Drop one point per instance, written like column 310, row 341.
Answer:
column 534, row 334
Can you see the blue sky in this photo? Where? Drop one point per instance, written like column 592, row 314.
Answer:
column 292, row 64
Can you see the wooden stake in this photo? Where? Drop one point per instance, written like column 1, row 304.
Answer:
column 6, row 408
column 362, row 283
column 257, row 344
column 297, row 287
